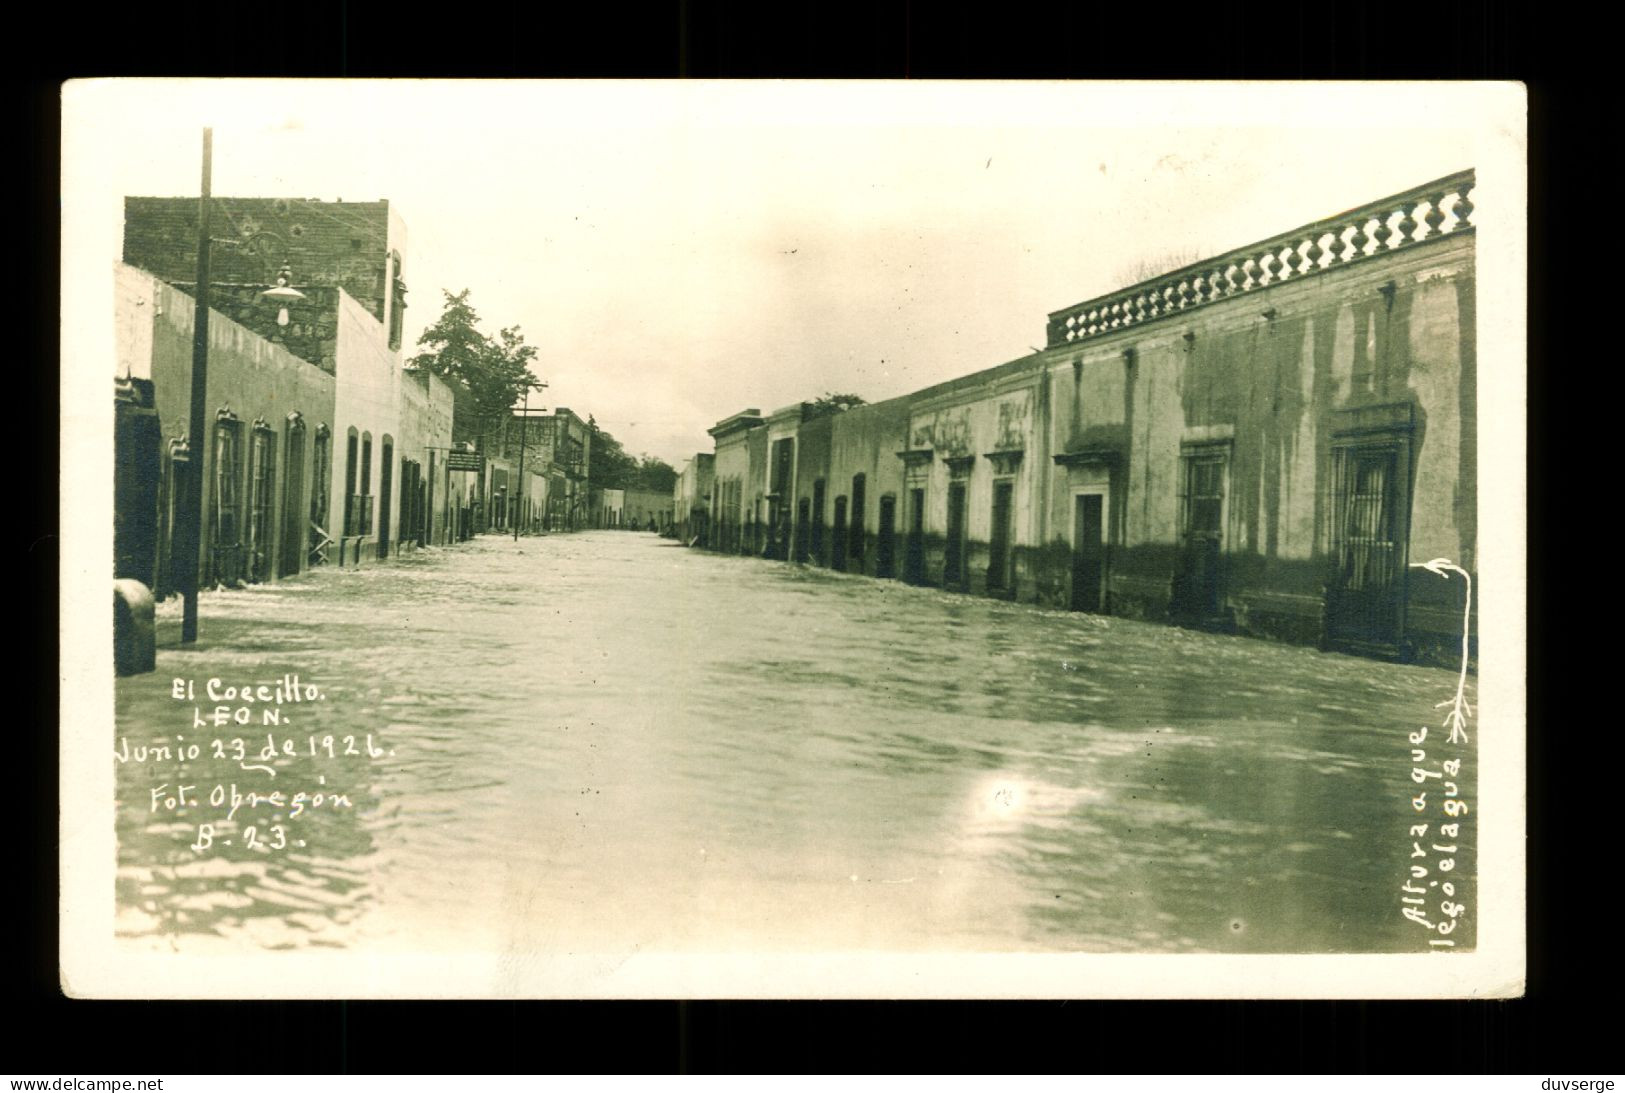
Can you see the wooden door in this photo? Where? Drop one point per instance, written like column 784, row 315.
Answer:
column 1088, row 551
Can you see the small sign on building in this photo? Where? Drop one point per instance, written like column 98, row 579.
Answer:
column 465, row 461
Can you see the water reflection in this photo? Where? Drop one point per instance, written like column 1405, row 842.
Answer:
column 604, row 741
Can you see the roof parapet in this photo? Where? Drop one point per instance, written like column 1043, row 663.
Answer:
column 1380, row 227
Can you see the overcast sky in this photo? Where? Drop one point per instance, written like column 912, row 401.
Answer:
column 681, row 251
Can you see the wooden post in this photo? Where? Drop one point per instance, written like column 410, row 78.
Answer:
column 192, row 526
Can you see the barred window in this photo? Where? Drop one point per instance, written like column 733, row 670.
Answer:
column 261, row 475
column 227, row 478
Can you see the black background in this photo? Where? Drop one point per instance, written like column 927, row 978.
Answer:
column 1564, row 1026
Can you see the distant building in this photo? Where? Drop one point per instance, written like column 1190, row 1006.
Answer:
column 691, row 498
column 557, row 450
column 733, row 501
column 645, row 508
column 608, row 508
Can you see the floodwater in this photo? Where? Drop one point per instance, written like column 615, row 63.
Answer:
column 603, row 741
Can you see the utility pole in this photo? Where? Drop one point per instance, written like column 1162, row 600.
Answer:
column 191, row 538
column 524, row 435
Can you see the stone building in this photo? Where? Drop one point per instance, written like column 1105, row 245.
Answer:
column 1260, row 442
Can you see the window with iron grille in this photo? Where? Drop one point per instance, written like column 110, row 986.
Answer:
column 351, row 450
column 363, row 504
column 1367, row 540
column 1204, row 497
column 261, row 476
column 1364, row 532
column 320, row 475
column 226, row 527
column 227, row 478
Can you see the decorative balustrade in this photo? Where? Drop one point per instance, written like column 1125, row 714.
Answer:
column 1382, row 227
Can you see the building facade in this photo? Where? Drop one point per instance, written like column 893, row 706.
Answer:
column 1259, row 443
column 646, row 509
column 864, row 465
column 733, row 502
column 360, row 439
column 270, row 428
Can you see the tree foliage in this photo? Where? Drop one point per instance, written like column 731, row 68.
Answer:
column 1149, row 267
column 612, row 468
column 830, row 403
column 656, row 474
column 494, row 371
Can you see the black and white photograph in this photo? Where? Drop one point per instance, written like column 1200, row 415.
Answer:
column 645, row 539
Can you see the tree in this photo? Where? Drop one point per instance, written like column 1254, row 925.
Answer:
column 1153, row 266
column 611, row 468
column 493, row 371
column 656, row 475
column 832, row 403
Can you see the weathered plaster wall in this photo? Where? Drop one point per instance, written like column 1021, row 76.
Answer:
column 865, row 440
column 1279, row 384
column 253, row 379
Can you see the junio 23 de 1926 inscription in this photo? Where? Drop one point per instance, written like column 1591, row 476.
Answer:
column 243, row 772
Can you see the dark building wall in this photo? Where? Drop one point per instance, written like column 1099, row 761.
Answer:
column 812, row 466
column 138, row 448
column 312, row 330
column 336, row 243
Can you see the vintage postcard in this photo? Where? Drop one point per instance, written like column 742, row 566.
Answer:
column 781, row 540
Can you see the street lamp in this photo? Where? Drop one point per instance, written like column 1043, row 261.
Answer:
column 284, row 294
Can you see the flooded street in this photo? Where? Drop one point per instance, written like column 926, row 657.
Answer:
column 605, row 741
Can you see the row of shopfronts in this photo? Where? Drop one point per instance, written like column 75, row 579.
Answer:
column 538, row 474
column 1260, row 443
column 320, row 445
column 303, row 466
